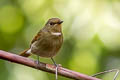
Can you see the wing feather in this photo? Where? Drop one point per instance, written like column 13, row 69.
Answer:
column 37, row 36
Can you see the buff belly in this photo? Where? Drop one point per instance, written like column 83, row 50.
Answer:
column 46, row 48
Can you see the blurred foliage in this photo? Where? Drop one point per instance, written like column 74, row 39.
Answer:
column 91, row 35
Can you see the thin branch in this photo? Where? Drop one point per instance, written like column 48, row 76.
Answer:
column 44, row 67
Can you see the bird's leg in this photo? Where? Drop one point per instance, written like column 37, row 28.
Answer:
column 56, row 70
column 37, row 62
column 112, row 70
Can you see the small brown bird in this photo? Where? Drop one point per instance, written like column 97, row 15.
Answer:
column 48, row 41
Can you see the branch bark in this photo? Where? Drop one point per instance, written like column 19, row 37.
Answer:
column 44, row 67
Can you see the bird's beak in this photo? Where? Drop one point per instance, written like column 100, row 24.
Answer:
column 60, row 22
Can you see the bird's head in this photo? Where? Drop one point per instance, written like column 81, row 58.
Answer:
column 54, row 24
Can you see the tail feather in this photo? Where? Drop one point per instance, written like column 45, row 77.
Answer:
column 25, row 54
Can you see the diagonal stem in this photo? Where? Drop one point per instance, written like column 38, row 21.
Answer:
column 44, row 67
column 108, row 71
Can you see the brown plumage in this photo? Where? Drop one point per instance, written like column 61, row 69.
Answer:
column 24, row 53
column 48, row 40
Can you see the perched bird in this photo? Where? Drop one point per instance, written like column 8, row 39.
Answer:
column 47, row 42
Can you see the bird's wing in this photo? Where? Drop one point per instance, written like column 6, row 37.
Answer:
column 37, row 36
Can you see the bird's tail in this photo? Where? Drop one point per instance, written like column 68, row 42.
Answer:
column 25, row 54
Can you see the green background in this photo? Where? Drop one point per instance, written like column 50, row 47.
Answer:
column 91, row 31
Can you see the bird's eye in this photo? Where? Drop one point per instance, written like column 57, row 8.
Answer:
column 52, row 23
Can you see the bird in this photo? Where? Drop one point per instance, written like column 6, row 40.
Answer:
column 47, row 42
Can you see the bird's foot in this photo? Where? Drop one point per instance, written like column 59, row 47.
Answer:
column 37, row 64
